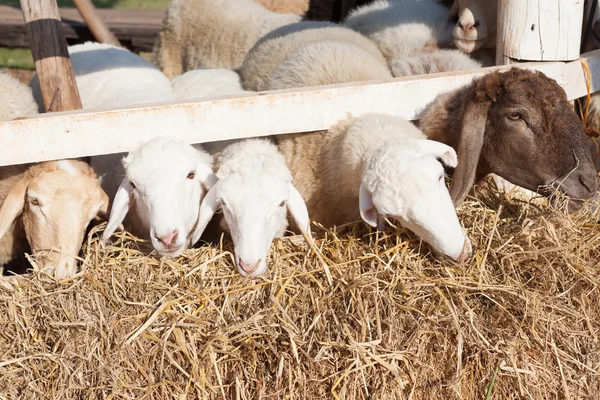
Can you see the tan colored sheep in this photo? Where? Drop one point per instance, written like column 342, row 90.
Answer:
column 212, row 34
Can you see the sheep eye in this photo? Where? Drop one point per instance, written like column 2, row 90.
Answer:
column 34, row 202
column 132, row 185
column 282, row 204
column 191, row 175
column 515, row 116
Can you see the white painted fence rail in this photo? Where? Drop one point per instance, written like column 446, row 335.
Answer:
column 93, row 132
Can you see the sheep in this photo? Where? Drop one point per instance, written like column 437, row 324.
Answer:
column 109, row 77
column 432, row 62
column 362, row 58
column 254, row 190
column 519, row 125
column 212, row 34
column 476, row 25
column 374, row 165
column 15, row 99
column 403, row 27
column 47, row 207
column 165, row 181
column 201, row 83
column 286, row 6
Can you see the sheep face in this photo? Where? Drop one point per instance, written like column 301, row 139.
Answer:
column 532, row 136
column 255, row 212
column 165, row 182
column 476, row 25
column 405, row 181
column 57, row 200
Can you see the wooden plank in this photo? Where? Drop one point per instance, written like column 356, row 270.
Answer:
column 93, row 21
column 88, row 133
column 50, row 55
column 135, row 29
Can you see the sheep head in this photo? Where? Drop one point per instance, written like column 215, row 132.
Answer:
column 255, row 193
column 164, row 183
column 520, row 126
column 406, row 181
column 476, row 24
column 57, row 200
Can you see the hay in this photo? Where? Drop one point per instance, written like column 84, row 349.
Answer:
column 396, row 323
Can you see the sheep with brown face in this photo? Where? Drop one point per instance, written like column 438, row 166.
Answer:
column 519, row 125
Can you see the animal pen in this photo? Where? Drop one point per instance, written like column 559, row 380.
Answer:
column 362, row 314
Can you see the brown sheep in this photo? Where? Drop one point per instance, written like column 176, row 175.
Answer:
column 519, row 125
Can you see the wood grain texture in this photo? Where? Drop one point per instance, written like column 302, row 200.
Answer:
column 94, row 132
column 539, row 30
column 50, row 55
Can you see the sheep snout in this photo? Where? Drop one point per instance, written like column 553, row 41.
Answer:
column 168, row 238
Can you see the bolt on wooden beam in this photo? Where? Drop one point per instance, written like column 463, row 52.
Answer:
column 49, row 50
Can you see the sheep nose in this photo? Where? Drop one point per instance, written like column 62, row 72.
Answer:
column 249, row 267
column 465, row 254
column 169, row 238
column 466, row 26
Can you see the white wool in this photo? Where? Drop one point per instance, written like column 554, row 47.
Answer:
column 16, row 99
column 433, row 62
column 403, row 27
column 206, row 82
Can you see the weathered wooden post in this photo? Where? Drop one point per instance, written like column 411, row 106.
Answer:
column 89, row 14
column 539, row 30
column 49, row 50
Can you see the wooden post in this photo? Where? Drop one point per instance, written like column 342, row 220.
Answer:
column 49, row 50
column 539, row 30
column 94, row 22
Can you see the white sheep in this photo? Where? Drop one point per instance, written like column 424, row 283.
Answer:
column 46, row 208
column 15, row 99
column 165, row 181
column 111, row 77
column 432, row 62
column 378, row 165
column 212, row 34
column 403, row 27
column 255, row 191
column 476, row 25
column 206, row 82
column 340, row 55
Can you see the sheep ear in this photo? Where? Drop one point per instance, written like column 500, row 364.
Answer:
column 208, row 207
column 297, row 207
column 469, row 151
column 443, row 152
column 120, row 207
column 13, row 205
column 206, row 176
column 367, row 209
column 105, row 202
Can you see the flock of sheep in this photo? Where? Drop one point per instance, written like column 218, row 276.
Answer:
column 517, row 124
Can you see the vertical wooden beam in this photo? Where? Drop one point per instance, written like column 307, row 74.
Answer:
column 49, row 50
column 89, row 14
column 539, row 30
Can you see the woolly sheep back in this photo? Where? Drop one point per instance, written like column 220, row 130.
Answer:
column 201, row 83
column 212, row 34
column 274, row 48
column 16, row 99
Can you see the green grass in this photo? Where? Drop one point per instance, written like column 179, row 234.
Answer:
column 16, row 58
column 21, row 58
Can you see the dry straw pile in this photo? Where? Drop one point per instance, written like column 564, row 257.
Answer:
column 520, row 320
